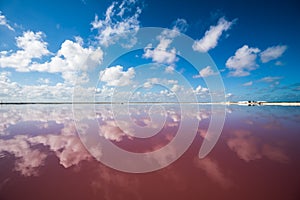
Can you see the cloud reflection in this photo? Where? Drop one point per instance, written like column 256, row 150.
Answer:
column 249, row 147
column 26, row 147
column 214, row 171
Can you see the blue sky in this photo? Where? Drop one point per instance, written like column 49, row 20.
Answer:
column 253, row 44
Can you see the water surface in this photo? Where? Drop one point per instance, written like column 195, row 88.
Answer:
column 42, row 155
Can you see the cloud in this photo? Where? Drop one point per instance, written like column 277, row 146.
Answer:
column 210, row 40
column 31, row 46
column 162, row 53
column 115, row 76
column 3, row 22
column 205, row 72
column 243, row 61
column 13, row 91
column 279, row 63
column 272, row 53
column 248, row 83
column 201, row 90
column 170, row 69
column 228, row 95
column 70, row 58
column 115, row 25
column 270, row 79
column 181, row 25
column 44, row 81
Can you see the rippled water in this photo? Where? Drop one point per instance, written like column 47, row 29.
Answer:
column 42, row 156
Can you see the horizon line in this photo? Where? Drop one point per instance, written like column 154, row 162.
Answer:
column 249, row 103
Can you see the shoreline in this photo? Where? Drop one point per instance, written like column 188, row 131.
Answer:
column 199, row 103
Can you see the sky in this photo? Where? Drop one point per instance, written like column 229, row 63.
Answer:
column 246, row 49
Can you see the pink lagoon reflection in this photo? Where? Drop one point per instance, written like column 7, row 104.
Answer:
column 42, row 156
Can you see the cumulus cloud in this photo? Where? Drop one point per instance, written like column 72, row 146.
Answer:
column 205, row 72
column 201, row 90
column 121, row 21
column 115, row 76
column 163, row 53
column 3, row 22
column 211, row 37
column 11, row 91
column 160, row 53
column 272, row 53
column 70, row 58
column 31, row 46
column 243, row 61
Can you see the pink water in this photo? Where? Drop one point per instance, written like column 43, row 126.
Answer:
column 256, row 157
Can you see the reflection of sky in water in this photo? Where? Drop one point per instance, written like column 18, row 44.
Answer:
column 257, row 156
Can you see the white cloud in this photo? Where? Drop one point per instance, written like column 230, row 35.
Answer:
column 205, row 72
column 201, row 90
column 13, row 91
column 3, row 22
column 176, row 88
column 170, row 69
column 7, row 87
column 71, row 58
column 115, row 76
column 228, row 95
column 44, row 81
column 210, row 40
column 279, row 63
column 31, row 45
column 150, row 82
column 272, row 53
column 181, row 25
column 115, row 26
column 270, row 79
column 162, row 53
column 248, row 83
column 243, row 61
